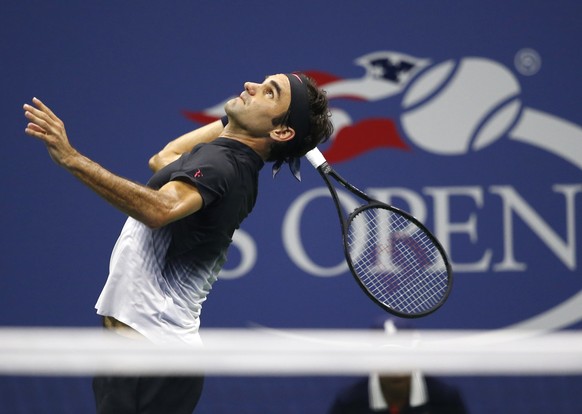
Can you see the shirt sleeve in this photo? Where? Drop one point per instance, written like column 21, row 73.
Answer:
column 208, row 168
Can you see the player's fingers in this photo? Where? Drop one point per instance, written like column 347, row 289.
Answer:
column 36, row 116
column 40, row 105
column 35, row 131
column 35, row 128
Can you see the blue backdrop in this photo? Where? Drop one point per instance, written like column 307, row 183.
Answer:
column 464, row 113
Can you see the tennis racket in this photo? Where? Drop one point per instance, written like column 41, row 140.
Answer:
column 394, row 258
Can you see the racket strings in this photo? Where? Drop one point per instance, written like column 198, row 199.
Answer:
column 396, row 261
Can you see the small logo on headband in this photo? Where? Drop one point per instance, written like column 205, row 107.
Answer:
column 298, row 77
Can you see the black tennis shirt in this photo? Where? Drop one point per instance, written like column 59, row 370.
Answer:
column 225, row 172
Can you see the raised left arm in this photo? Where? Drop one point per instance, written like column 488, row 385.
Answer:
column 185, row 143
column 154, row 208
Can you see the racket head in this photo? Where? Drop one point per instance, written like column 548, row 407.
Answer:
column 396, row 260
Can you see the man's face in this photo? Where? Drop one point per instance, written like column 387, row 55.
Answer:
column 254, row 109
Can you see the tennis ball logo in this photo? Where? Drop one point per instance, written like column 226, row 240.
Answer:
column 454, row 108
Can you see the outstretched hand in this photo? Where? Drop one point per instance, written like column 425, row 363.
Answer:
column 47, row 127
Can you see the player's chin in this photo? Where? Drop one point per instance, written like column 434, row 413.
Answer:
column 230, row 104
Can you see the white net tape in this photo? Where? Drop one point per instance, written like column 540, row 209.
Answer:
column 62, row 352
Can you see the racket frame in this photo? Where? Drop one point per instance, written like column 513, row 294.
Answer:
column 326, row 171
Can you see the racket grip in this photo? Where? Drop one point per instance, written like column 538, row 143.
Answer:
column 315, row 157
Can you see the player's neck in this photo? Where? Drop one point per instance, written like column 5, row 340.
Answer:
column 260, row 145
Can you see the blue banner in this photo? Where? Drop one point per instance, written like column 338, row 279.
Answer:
column 465, row 114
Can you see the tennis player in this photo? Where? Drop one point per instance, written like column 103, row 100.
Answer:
column 180, row 224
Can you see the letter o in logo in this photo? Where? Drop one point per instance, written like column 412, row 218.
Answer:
column 292, row 232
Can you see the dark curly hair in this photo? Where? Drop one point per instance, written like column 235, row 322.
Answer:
column 320, row 130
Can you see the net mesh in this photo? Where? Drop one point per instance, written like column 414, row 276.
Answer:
column 294, row 371
column 396, row 261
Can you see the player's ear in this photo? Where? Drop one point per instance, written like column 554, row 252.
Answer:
column 282, row 133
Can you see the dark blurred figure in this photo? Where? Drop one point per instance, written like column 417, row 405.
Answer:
column 411, row 393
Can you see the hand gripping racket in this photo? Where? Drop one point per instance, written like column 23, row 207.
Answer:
column 394, row 258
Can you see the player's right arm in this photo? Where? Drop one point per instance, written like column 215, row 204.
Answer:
column 183, row 144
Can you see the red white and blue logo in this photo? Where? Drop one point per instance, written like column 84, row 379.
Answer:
column 456, row 143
